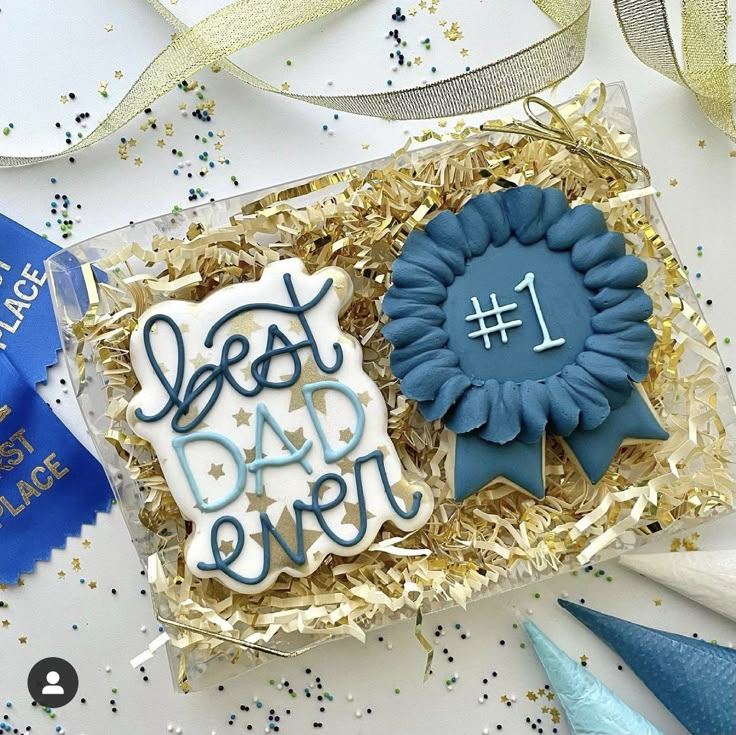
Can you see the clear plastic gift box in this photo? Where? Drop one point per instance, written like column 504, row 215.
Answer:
column 206, row 646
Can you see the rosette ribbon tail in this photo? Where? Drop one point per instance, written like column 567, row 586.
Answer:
column 479, row 462
column 594, row 449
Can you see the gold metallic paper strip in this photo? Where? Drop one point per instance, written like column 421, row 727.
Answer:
column 707, row 73
column 246, row 22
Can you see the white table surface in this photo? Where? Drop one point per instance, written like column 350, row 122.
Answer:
column 51, row 49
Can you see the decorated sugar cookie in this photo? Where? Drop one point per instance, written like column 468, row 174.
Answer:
column 519, row 316
column 271, row 437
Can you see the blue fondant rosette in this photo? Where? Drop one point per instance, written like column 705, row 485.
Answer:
column 518, row 316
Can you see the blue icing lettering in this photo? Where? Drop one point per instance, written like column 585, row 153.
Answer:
column 263, row 418
column 331, row 454
column 180, row 443
column 212, row 377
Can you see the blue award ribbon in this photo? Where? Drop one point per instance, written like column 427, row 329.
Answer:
column 50, row 485
column 28, row 334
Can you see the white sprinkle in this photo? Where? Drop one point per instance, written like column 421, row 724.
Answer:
column 394, row 68
column 566, row 594
column 481, row 700
column 485, row 731
column 529, row 611
column 358, row 713
column 513, row 697
column 169, row 728
column 279, row 686
column 390, row 646
column 178, row 731
column 350, row 697
column 144, row 629
column 108, row 669
column 449, row 687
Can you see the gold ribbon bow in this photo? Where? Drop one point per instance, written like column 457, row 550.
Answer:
column 558, row 131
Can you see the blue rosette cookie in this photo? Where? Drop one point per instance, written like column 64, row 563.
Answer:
column 516, row 317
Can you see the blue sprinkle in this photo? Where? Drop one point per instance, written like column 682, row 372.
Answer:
column 53, row 179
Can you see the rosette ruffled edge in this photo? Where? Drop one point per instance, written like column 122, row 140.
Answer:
column 583, row 393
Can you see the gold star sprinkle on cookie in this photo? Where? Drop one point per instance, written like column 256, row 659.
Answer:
column 109, row 28
column 216, row 471
column 674, row 181
column 23, row 639
column 242, row 417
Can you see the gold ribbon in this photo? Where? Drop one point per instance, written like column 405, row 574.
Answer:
column 706, row 73
column 246, row 22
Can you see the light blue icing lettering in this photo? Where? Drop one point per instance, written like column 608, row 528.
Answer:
column 315, row 505
column 263, row 418
column 179, row 444
column 496, row 311
column 332, row 454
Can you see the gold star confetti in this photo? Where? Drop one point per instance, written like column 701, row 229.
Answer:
column 249, row 454
column 583, row 659
column 76, row 564
column 63, row 99
column 3, row 586
column 138, row 161
column 86, row 543
column 184, row 328
column 364, row 397
column 61, row 574
column 346, row 435
column 294, row 326
column 242, row 417
column 365, row 146
column 540, row 692
column 532, row 696
column 92, row 584
column 432, row 9
column 464, row 52
column 109, row 27
column 657, row 602
column 226, row 547
column 216, row 471
column 118, row 74
column 132, row 142
column 674, row 182
column 220, row 133
column 169, row 128
column 422, row 4
column 550, row 696
column 453, row 33
column 691, row 542
column 102, row 88
column 182, row 105
column 198, row 360
column 732, row 154
column 701, row 143
column 258, row 503
column 554, row 713
column 23, row 638
column 417, row 61
column 286, row 527
column 6, row 623
column 404, row 491
column 285, row 86
column 441, row 22
column 160, row 143
column 504, row 698
column 352, row 515
column 412, row 11
column 676, row 544
column 218, row 145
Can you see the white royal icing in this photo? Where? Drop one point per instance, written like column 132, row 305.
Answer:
column 242, row 468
